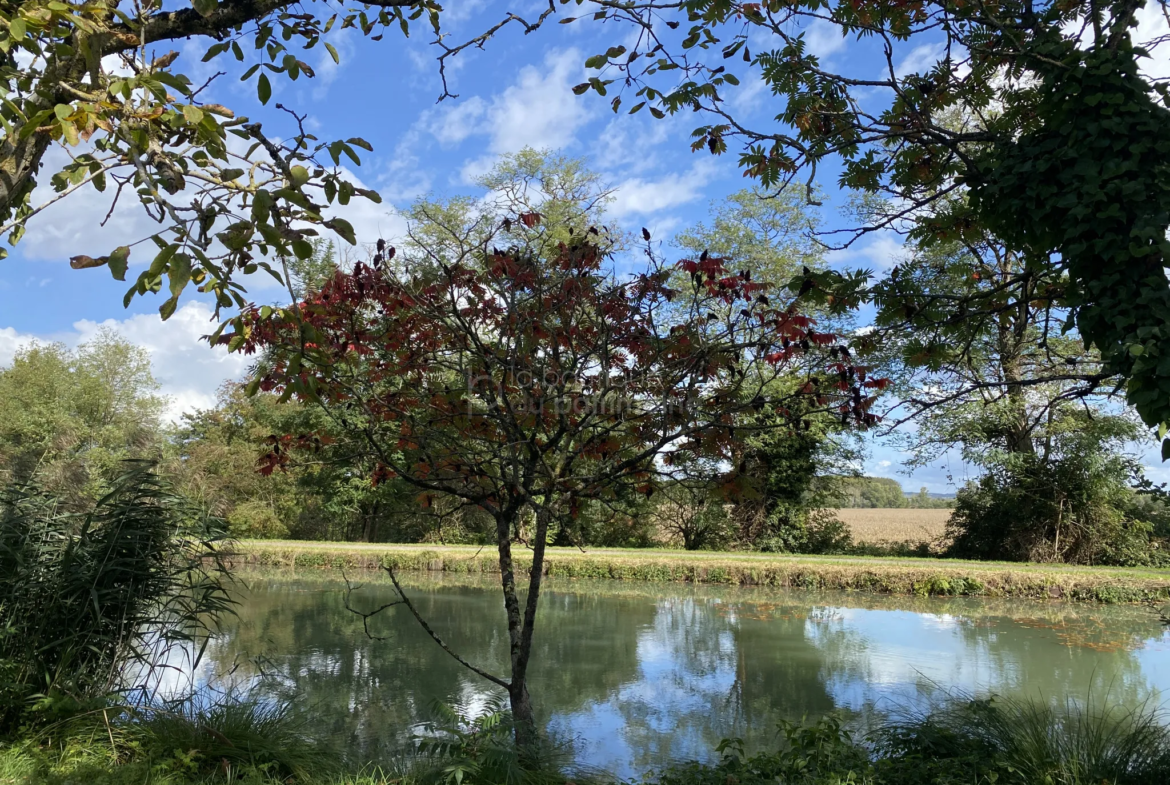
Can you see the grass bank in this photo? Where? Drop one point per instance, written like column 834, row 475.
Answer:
column 901, row 576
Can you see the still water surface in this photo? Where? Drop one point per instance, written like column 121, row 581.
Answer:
column 640, row 675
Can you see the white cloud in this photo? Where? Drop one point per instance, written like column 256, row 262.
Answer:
column 1152, row 25
column 538, row 110
column 637, row 196
column 459, row 120
column 188, row 370
column 823, row 38
column 920, row 59
column 326, row 70
column 881, row 253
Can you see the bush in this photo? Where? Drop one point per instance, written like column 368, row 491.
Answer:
column 1024, row 741
column 256, row 520
column 798, row 530
column 1078, row 509
column 83, row 597
column 206, row 734
column 964, row 742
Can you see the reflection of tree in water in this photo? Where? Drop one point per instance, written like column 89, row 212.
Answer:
column 649, row 674
column 368, row 693
column 711, row 669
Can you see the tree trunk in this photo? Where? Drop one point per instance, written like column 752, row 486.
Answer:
column 370, row 527
column 520, row 628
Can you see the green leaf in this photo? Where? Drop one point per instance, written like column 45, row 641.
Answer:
column 179, row 274
column 17, row 28
column 343, row 228
column 69, row 131
column 204, row 8
column 118, row 261
column 1166, row 449
column 332, row 52
column 302, row 248
column 193, row 114
column 168, row 308
column 252, row 387
column 263, row 88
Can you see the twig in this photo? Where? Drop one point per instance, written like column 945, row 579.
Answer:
column 422, row 622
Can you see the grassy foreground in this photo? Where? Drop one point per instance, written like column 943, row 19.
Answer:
column 905, row 576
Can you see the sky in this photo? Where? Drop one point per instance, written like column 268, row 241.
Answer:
column 514, row 93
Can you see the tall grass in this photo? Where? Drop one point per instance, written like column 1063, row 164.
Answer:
column 86, row 599
column 1029, row 741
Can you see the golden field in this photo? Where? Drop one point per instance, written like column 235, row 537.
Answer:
column 894, row 525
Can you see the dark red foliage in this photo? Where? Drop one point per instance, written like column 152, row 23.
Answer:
column 502, row 377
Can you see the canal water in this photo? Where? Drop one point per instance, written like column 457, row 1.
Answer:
column 631, row 677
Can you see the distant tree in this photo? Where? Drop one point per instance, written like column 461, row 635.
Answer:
column 771, row 236
column 527, row 383
column 324, row 494
column 72, row 416
column 870, row 492
column 690, row 514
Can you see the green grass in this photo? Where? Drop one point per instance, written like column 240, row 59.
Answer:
column 880, row 575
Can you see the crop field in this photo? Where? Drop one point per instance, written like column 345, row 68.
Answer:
column 894, row 525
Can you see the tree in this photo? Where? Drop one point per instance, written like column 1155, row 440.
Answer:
column 871, row 492
column 90, row 80
column 772, row 237
column 984, row 351
column 526, row 386
column 74, row 416
column 773, row 233
column 1033, row 124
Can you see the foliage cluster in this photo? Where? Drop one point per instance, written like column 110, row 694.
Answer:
column 71, row 416
column 1074, row 502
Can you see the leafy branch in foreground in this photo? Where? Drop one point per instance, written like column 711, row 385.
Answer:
column 91, row 85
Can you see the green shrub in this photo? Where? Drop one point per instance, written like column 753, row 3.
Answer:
column 964, row 742
column 1076, row 510
column 256, row 520
column 206, row 734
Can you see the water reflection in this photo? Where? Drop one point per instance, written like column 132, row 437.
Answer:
column 638, row 676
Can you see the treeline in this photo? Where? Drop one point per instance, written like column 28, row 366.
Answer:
column 885, row 493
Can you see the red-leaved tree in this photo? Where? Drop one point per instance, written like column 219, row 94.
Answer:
column 525, row 385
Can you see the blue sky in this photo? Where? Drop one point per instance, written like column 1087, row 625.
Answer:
column 514, row 93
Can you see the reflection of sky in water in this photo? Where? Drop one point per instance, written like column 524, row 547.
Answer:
column 664, row 678
column 901, row 654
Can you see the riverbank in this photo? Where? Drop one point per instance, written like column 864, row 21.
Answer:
column 903, row 576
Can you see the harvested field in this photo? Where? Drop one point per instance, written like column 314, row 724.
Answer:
column 894, row 525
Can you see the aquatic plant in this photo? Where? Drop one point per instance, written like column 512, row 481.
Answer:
column 88, row 598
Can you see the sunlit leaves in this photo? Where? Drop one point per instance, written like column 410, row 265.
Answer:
column 139, row 129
